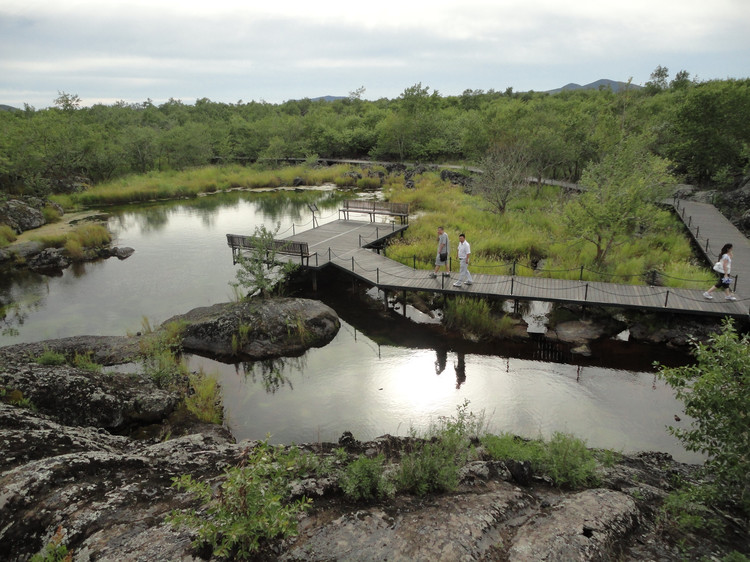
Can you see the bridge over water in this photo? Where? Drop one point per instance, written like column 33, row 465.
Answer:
column 359, row 248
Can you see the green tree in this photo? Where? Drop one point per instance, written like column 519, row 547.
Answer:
column 618, row 198
column 715, row 391
column 259, row 269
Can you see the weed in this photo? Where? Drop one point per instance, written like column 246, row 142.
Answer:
column 51, row 358
column 16, row 398
column 161, row 355
column 84, row 361
column 248, row 507
column 205, row 400
column 55, row 551
column 7, row 235
column 565, row 458
column 365, row 480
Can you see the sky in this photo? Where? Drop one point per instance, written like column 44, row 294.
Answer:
column 106, row 51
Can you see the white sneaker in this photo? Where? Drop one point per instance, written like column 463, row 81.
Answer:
column 458, row 284
column 707, row 295
column 469, row 283
column 731, row 298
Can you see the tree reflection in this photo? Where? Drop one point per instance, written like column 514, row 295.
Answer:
column 272, row 373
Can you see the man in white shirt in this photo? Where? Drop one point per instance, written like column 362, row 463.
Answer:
column 464, row 255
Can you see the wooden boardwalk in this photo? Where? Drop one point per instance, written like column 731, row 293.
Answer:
column 344, row 244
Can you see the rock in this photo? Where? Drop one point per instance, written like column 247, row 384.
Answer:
column 20, row 216
column 79, row 397
column 258, row 329
column 457, row 178
column 576, row 332
column 121, row 253
column 588, row 526
column 49, row 259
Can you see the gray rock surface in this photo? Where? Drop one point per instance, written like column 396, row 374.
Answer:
column 258, row 329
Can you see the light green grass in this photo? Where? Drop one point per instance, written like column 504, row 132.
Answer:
column 532, row 237
column 208, row 179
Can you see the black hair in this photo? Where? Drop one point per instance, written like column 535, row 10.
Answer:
column 724, row 249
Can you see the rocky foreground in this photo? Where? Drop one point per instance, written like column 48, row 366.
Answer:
column 72, row 467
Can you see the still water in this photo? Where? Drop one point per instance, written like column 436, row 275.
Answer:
column 356, row 383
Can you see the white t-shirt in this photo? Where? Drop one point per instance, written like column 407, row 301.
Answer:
column 464, row 249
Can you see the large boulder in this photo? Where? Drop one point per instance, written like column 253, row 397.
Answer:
column 20, row 216
column 258, row 329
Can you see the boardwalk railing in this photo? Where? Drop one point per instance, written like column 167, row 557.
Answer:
column 238, row 243
column 372, row 208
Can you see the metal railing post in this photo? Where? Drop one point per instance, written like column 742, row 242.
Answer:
column 586, row 293
column 666, row 300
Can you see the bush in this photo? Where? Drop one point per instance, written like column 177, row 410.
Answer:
column 432, row 467
column 51, row 358
column 714, row 391
column 7, row 235
column 205, row 400
column 565, row 458
column 246, row 509
column 365, row 480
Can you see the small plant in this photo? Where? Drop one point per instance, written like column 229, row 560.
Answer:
column 432, row 467
column 161, row 355
column 205, row 400
column 365, row 480
column 55, row 551
column 247, row 509
column 84, row 361
column 51, row 358
column 16, row 398
column 7, row 235
column 565, row 458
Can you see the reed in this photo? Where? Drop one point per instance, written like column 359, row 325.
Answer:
column 209, row 179
column 532, row 235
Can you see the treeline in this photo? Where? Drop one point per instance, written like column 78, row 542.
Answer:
column 703, row 128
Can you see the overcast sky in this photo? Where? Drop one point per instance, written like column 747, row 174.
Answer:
column 231, row 50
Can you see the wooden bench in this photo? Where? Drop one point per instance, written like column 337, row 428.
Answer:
column 373, row 208
column 238, row 243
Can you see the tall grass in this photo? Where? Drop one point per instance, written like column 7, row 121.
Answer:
column 209, row 179
column 533, row 237
column 7, row 235
column 476, row 316
column 75, row 242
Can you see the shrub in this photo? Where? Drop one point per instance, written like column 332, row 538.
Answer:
column 55, row 551
column 160, row 353
column 365, row 480
column 246, row 509
column 205, row 400
column 84, row 361
column 7, row 235
column 714, row 391
column 432, row 467
column 565, row 458
column 51, row 358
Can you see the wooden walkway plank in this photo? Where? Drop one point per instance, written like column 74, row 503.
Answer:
column 343, row 243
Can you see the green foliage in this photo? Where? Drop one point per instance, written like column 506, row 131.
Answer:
column 205, row 399
column 247, row 509
column 365, row 480
column 15, row 397
column 434, row 462
column 7, row 235
column 160, row 355
column 85, row 362
column 55, row 550
column 619, row 198
column 51, row 358
column 256, row 271
column 564, row 458
column 475, row 316
column 714, row 392
column 686, row 510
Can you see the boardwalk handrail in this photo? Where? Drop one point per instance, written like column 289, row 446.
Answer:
column 239, row 242
column 372, row 208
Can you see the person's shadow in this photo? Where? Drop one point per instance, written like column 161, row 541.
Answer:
column 441, row 361
column 460, row 367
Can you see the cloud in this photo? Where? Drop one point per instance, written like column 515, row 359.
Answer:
column 228, row 50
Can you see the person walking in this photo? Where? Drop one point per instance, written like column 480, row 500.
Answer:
column 723, row 268
column 443, row 248
column 464, row 255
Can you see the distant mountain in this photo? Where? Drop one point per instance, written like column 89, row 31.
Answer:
column 598, row 85
column 328, row 98
column 4, row 107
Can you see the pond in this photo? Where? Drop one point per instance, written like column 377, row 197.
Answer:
column 379, row 375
